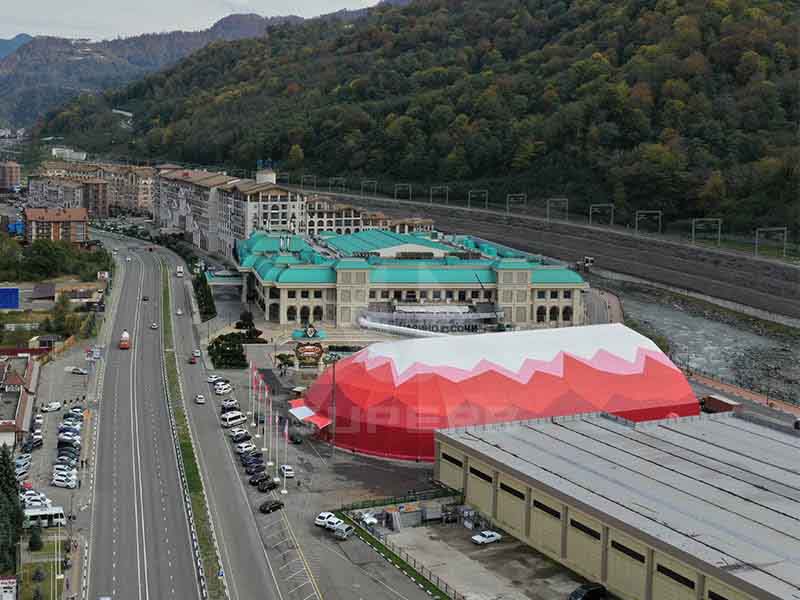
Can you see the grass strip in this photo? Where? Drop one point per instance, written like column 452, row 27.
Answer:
column 431, row 589
column 208, row 552
column 28, row 586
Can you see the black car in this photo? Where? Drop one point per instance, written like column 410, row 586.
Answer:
column 270, row 506
column 255, row 468
column 256, row 460
column 66, row 460
column 69, row 429
column 75, row 455
column 251, row 455
column 69, row 444
column 227, row 409
column 589, row 591
column 267, row 486
column 258, row 478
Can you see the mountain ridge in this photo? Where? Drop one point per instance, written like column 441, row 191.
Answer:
column 686, row 107
column 8, row 46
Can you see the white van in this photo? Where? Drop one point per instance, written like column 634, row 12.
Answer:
column 232, row 418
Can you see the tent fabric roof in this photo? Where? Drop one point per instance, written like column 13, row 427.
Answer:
column 391, row 396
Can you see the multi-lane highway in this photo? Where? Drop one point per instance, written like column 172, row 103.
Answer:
column 140, row 546
column 248, row 572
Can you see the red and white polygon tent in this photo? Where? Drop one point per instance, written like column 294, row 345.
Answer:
column 391, row 396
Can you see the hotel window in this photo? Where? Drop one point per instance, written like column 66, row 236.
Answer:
column 541, row 295
column 475, row 294
column 567, row 294
column 372, row 294
column 487, row 294
column 423, row 294
column 448, row 294
column 292, row 294
column 385, row 294
column 398, row 295
column 462, row 296
column 317, row 293
column 304, row 293
column 437, row 295
column 554, row 294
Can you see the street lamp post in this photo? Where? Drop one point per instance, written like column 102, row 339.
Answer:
column 332, row 359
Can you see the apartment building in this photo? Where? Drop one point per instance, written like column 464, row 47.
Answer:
column 56, row 224
column 9, row 176
column 57, row 192
column 129, row 187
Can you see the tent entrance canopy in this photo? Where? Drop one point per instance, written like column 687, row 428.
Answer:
column 300, row 411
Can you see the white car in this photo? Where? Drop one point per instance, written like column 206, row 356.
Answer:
column 31, row 495
column 332, row 522
column 179, row 312
column 223, row 389
column 38, row 419
column 211, row 378
column 64, row 469
column 486, row 537
column 79, row 371
column 197, row 354
column 35, row 503
column 244, row 447
column 127, row 259
column 322, row 519
column 51, row 407
column 287, row 471
column 236, row 431
column 199, row 399
column 230, row 403
column 153, row 325
column 70, row 484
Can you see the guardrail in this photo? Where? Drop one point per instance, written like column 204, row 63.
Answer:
column 187, row 497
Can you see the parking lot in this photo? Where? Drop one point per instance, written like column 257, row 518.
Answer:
column 345, row 570
column 507, row 570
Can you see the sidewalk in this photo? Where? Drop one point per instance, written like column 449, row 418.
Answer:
column 739, row 392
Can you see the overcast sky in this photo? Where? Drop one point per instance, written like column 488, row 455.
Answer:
column 105, row 19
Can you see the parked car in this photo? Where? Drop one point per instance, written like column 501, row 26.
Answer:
column 196, row 353
column 79, row 371
column 322, row 518
column 145, row 298
column 254, row 468
column 486, row 537
column 258, row 478
column 332, row 522
column 76, row 412
column 38, row 419
column 179, row 312
column 199, row 399
column 589, row 591
column 65, row 483
column 153, row 325
column 66, row 460
column 213, row 378
column 244, row 447
column 223, row 389
column 237, row 430
column 51, row 407
column 227, row 409
column 270, row 506
column 241, row 437
column 230, row 403
column 287, row 471
column 192, row 360
column 267, row 486
column 252, row 460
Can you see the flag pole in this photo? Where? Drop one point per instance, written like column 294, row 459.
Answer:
column 256, row 395
column 253, row 422
column 263, row 449
column 276, row 479
column 286, row 451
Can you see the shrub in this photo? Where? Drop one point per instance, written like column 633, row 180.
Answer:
column 35, row 542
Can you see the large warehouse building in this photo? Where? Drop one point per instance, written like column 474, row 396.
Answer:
column 698, row 508
column 390, row 397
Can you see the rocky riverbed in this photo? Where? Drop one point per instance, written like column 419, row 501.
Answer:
column 755, row 354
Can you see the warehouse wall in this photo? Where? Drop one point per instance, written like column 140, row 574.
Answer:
column 627, row 566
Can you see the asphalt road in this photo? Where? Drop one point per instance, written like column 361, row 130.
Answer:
column 140, row 545
column 248, row 572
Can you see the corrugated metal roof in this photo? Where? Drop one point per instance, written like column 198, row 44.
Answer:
column 720, row 490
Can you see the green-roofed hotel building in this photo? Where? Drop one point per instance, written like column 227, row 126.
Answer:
column 417, row 280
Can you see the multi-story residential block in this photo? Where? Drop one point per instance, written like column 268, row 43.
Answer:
column 56, row 224
column 422, row 281
column 57, row 192
column 129, row 187
column 95, row 197
column 9, row 176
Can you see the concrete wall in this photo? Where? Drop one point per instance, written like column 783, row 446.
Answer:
column 765, row 284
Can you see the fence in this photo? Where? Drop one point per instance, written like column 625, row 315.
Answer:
column 439, row 492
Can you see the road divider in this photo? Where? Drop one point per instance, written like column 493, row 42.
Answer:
column 204, row 543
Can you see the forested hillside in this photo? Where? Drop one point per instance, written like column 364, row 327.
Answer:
column 690, row 106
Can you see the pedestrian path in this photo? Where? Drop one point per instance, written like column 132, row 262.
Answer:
column 739, row 392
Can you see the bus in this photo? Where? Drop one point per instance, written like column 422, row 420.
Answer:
column 52, row 516
column 179, row 271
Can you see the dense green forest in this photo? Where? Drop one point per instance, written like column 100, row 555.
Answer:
column 690, row 106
